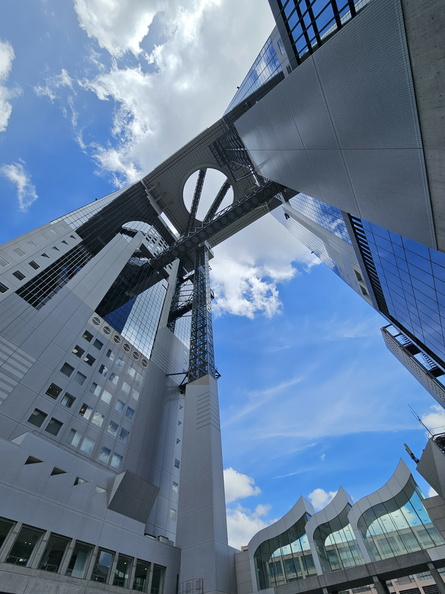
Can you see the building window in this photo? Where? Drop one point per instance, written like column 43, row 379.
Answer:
column 119, row 406
column 106, row 396
column 177, row 463
column 24, row 545
column 129, row 413
column 87, row 445
column 101, row 569
column 141, row 575
column 116, row 461
column 78, row 351
column 74, row 437
column 89, row 360
column 3, row 261
column 98, row 344
column 67, row 369
column 125, row 387
column 85, row 411
column 53, row 426
column 112, row 428
column 34, row 265
column 123, row 435
column 95, row 389
column 3, row 288
column 19, row 251
column 103, row 370
column 87, row 336
column 172, row 514
column 110, row 355
column 53, row 391
column 122, row 572
column 54, row 551
column 80, row 378
column 67, row 400
column 104, row 455
column 135, row 394
column 19, row 275
column 113, row 378
column 175, row 487
column 80, row 559
column 37, row 417
column 5, row 527
column 97, row 419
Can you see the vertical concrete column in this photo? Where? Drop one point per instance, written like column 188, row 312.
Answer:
column 9, row 541
column 132, row 574
column 380, row 586
column 66, row 557
column 38, row 550
column 437, row 578
column 202, row 527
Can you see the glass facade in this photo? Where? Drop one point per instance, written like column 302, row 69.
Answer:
column 265, row 67
column 412, row 280
column 327, row 216
column 400, row 525
column 310, row 22
column 285, row 558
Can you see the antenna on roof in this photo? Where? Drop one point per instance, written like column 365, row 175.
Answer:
column 419, row 419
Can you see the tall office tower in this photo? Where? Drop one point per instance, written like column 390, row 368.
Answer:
column 110, row 466
column 357, row 129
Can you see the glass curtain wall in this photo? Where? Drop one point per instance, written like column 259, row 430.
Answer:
column 398, row 526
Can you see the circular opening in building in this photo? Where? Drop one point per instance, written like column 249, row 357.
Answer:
column 214, row 182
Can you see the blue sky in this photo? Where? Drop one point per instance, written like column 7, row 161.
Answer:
column 94, row 94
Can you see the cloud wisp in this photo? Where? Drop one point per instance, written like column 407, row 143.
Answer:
column 7, row 56
column 26, row 191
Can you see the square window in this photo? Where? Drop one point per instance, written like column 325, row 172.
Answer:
column 87, row 445
column 111, row 355
column 112, row 428
column 104, row 455
column 53, row 391
column 172, row 514
column 78, row 351
column 89, row 359
column 85, row 411
column 119, row 362
column 97, row 419
column 98, row 344
column 37, row 417
column 135, row 394
column 87, row 335
column 139, row 378
column 125, row 387
column 119, row 406
column 34, row 265
column 106, row 397
column 114, row 378
column 123, row 435
column 80, row 378
column 116, row 461
column 129, row 413
column 67, row 400
column 175, row 487
column 131, row 371
column 19, row 275
column 3, row 261
column 95, row 389
column 3, row 288
column 103, row 370
column 74, row 437
column 53, row 426
column 67, row 369
column 19, row 251
column 177, row 463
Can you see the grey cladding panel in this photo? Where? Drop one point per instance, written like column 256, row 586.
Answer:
column 308, row 107
column 366, row 80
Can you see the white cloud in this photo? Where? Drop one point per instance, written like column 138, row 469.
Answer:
column 6, row 58
column 180, row 88
column 243, row 523
column 238, row 485
column 26, row 192
column 435, row 418
column 320, row 498
column 249, row 267
column 53, row 84
column 117, row 25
